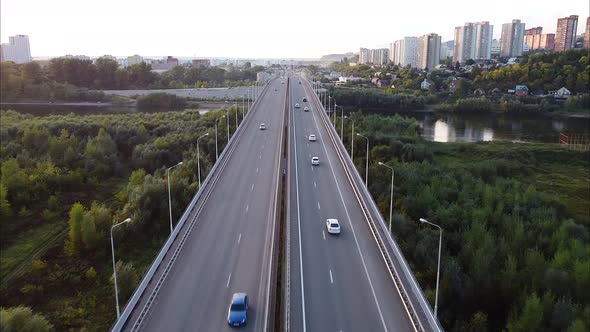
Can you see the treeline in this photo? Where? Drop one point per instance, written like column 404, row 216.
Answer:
column 372, row 98
column 88, row 173
column 161, row 101
column 71, row 79
column 516, row 242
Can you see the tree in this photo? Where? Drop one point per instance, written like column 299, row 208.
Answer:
column 531, row 317
column 88, row 232
column 22, row 319
column 74, row 241
column 105, row 73
column 5, row 210
column 127, row 278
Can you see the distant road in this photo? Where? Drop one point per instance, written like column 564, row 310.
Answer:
column 209, row 93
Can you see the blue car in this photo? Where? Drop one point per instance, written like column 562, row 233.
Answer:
column 238, row 310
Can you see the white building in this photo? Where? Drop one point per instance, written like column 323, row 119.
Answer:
column 377, row 57
column 473, row 41
column 404, row 52
column 134, row 60
column 428, row 51
column 17, row 49
column 364, row 56
column 512, row 39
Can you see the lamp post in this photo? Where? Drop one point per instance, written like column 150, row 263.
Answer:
column 216, row 148
column 367, row 162
column 237, row 110
column 114, row 267
column 438, row 268
column 169, row 197
column 227, row 120
column 342, row 122
column 391, row 195
column 199, row 159
column 352, row 139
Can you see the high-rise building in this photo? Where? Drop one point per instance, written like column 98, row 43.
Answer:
column 363, row 56
column 473, row 41
column 565, row 36
column 547, row 41
column 428, row 51
column 17, row 49
column 512, row 39
column 446, row 49
column 405, row 52
column 495, row 47
column 587, row 34
column 377, row 57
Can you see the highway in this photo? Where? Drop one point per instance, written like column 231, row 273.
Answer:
column 336, row 282
column 229, row 249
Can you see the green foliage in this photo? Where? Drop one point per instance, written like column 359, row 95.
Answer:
column 75, row 222
column 90, row 274
column 5, row 210
column 161, row 101
column 127, row 278
column 22, row 319
column 370, row 98
column 39, row 265
column 531, row 317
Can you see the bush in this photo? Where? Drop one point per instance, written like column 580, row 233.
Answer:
column 22, row 319
column 161, row 101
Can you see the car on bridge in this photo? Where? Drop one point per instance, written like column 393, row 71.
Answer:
column 315, row 161
column 304, row 99
column 262, row 126
column 297, row 105
column 306, row 109
column 333, row 226
column 237, row 314
column 312, row 138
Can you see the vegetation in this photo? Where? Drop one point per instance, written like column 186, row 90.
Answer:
column 68, row 79
column 516, row 218
column 161, row 101
column 69, row 178
column 21, row 319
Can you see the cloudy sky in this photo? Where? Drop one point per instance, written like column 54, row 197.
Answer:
column 256, row 28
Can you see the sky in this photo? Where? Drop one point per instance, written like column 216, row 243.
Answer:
column 256, row 28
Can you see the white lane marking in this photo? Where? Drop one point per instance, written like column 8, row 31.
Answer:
column 323, row 234
column 299, row 225
column 310, row 155
column 247, row 207
column 315, row 185
column 319, row 205
column 262, row 146
column 259, row 156
column 312, row 168
column 252, row 188
column 331, row 279
column 256, row 169
column 351, row 227
column 228, row 280
column 239, row 238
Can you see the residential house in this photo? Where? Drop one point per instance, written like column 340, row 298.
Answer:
column 521, row 90
column 426, row 84
column 563, row 92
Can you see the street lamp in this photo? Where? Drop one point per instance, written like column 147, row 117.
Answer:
column 169, row 197
column 342, row 122
column 391, row 195
column 227, row 119
column 199, row 159
column 114, row 268
column 216, row 149
column 438, row 268
column 352, row 139
column 367, row 163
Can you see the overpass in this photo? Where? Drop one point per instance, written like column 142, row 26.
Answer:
column 227, row 239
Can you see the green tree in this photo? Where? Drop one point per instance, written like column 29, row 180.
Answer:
column 88, row 233
column 105, row 73
column 74, row 242
column 5, row 210
column 22, row 319
column 127, row 279
column 531, row 317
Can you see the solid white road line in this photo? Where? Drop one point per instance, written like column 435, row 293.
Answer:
column 252, row 188
column 351, row 226
column 319, row 205
column 239, row 238
column 323, row 234
column 315, row 185
column 228, row 280
column 331, row 279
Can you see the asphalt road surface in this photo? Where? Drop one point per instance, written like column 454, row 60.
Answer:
column 229, row 249
column 337, row 282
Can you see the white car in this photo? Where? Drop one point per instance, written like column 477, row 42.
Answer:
column 306, row 109
column 297, row 105
column 315, row 161
column 262, row 126
column 312, row 138
column 333, row 226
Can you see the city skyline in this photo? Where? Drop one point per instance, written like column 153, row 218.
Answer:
column 258, row 29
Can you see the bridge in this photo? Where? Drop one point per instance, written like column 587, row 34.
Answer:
column 227, row 240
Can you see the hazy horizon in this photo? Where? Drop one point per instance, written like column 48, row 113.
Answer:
column 258, row 29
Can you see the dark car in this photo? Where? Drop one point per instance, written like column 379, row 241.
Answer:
column 304, row 99
column 238, row 309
